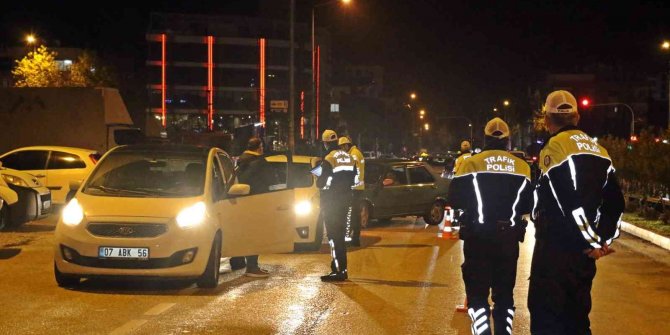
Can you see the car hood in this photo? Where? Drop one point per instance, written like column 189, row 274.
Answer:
column 27, row 177
column 103, row 206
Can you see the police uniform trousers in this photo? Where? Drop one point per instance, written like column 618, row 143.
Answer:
column 559, row 295
column 490, row 264
column 354, row 222
column 335, row 211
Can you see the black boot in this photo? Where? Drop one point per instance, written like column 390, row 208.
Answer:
column 335, row 276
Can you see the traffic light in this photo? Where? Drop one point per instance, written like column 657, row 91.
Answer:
column 585, row 102
column 633, row 138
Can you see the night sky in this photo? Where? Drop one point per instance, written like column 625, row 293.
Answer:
column 460, row 56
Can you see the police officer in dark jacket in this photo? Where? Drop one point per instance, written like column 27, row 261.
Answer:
column 338, row 170
column 577, row 216
column 493, row 188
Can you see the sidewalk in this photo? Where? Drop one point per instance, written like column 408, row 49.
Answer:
column 646, row 235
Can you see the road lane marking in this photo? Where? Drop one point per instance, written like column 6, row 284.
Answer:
column 159, row 309
column 128, row 327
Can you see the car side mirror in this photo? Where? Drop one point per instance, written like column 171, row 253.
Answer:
column 239, row 190
column 387, row 182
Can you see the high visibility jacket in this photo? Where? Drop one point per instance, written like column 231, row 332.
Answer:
column 337, row 174
column 494, row 189
column 460, row 159
column 359, row 159
column 578, row 199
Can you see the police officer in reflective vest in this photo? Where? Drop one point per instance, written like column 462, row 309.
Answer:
column 577, row 216
column 465, row 154
column 337, row 177
column 493, row 188
column 354, row 222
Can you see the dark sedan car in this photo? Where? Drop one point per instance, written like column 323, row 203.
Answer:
column 400, row 188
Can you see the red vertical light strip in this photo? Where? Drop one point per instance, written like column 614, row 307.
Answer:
column 261, row 74
column 163, row 85
column 318, row 79
column 302, row 114
column 210, row 82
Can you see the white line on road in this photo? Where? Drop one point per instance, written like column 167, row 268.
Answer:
column 128, row 327
column 159, row 309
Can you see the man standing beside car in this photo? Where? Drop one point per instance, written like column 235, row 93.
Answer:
column 577, row 216
column 354, row 222
column 494, row 190
column 338, row 170
column 255, row 171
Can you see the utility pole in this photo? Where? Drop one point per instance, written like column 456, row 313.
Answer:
column 291, row 95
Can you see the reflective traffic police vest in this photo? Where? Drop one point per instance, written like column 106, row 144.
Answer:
column 338, row 171
column 578, row 199
column 493, row 188
column 359, row 160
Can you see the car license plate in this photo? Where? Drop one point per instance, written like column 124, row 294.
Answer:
column 118, row 252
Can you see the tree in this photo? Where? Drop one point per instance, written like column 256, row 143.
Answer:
column 37, row 69
column 87, row 71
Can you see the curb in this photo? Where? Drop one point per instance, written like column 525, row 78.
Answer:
column 644, row 234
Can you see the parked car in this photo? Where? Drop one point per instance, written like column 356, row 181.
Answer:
column 22, row 198
column 400, row 188
column 54, row 167
column 168, row 211
column 308, row 234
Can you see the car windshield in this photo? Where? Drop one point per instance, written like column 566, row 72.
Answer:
column 149, row 174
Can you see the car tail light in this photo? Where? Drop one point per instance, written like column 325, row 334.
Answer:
column 94, row 158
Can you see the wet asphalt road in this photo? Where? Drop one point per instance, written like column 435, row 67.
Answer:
column 404, row 280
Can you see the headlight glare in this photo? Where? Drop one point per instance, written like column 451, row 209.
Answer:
column 73, row 213
column 303, row 208
column 14, row 180
column 192, row 216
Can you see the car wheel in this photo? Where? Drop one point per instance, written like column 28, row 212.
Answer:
column 4, row 215
column 434, row 217
column 64, row 280
column 365, row 214
column 210, row 278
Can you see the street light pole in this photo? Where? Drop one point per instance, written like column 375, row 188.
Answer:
column 630, row 109
column 312, row 129
column 291, row 94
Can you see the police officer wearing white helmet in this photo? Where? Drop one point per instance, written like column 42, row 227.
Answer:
column 338, row 170
column 494, row 190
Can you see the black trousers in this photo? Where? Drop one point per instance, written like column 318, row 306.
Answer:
column 559, row 296
column 354, row 218
column 490, row 265
column 335, row 219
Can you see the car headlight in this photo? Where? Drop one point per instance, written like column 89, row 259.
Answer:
column 303, row 208
column 73, row 214
column 14, row 180
column 192, row 216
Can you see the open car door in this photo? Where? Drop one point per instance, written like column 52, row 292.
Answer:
column 258, row 223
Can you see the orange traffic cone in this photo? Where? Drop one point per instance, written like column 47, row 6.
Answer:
column 464, row 307
column 445, row 231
